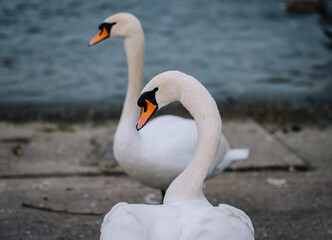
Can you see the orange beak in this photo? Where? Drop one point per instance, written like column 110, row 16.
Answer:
column 147, row 112
column 102, row 35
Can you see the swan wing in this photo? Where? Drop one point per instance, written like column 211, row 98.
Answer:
column 187, row 222
column 166, row 146
column 122, row 222
column 170, row 142
column 140, row 221
column 239, row 220
column 176, row 135
column 218, row 223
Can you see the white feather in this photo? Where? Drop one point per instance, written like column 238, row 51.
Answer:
column 157, row 154
column 186, row 214
column 185, row 222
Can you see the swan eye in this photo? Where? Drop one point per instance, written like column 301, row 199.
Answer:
column 147, row 111
column 147, row 96
column 104, row 32
column 106, row 26
column 147, row 101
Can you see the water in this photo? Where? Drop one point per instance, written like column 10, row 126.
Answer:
column 243, row 51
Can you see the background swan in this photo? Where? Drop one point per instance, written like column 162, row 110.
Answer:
column 169, row 140
column 185, row 213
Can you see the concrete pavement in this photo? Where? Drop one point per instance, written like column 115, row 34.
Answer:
column 285, row 185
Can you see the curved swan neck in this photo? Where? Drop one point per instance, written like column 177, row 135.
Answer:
column 134, row 47
column 187, row 187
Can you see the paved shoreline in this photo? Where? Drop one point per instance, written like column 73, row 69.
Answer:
column 69, row 166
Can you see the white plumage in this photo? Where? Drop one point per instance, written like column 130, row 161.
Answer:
column 184, row 222
column 185, row 213
column 169, row 141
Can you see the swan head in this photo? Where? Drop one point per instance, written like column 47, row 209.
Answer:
column 159, row 92
column 122, row 25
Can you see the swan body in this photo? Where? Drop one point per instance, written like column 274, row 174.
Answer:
column 183, row 222
column 185, row 213
column 167, row 149
column 164, row 169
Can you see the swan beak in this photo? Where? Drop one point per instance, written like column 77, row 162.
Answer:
column 102, row 35
column 147, row 112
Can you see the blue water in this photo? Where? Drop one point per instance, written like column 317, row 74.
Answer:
column 246, row 51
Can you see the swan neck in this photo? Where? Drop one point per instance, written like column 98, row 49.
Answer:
column 187, row 187
column 134, row 47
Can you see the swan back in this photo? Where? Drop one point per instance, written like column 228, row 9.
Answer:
column 182, row 222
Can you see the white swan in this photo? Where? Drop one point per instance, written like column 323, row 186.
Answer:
column 171, row 139
column 185, row 213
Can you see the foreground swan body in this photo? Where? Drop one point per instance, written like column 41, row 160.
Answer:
column 170, row 140
column 185, row 213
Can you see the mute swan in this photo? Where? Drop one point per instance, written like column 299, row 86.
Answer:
column 185, row 213
column 171, row 139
